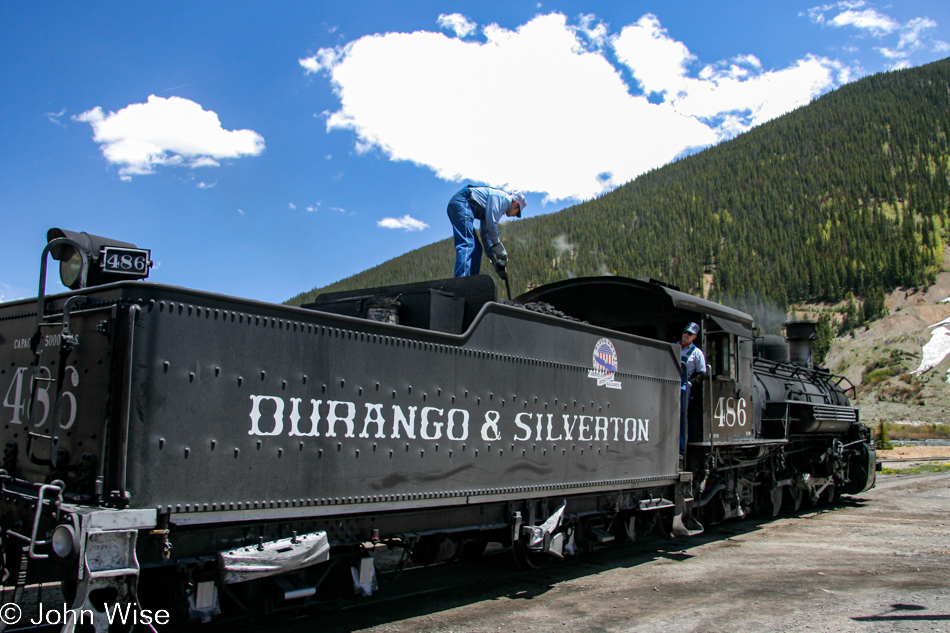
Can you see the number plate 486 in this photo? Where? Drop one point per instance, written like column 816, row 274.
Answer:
column 730, row 411
column 125, row 261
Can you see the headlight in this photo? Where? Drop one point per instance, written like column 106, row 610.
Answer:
column 64, row 540
column 106, row 260
column 70, row 266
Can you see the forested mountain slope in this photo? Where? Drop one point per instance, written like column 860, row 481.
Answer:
column 845, row 194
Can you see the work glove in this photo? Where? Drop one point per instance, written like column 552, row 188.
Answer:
column 697, row 379
column 501, row 255
column 502, row 269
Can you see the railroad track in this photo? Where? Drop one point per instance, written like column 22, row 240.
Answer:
column 915, row 459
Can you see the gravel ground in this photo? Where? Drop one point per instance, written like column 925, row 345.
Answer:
column 878, row 562
column 907, row 452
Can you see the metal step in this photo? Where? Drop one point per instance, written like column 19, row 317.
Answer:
column 601, row 535
column 291, row 590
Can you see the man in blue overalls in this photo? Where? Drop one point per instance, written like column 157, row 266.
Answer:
column 693, row 364
column 489, row 206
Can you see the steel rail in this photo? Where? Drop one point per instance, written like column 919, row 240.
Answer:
column 914, row 459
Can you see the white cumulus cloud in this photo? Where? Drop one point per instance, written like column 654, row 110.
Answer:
column 735, row 94
column 867, row 20
column 545, row 108
column 913, row 35
column 595, row 31
column 172, row 131
column 458, row 23
column 405, row 222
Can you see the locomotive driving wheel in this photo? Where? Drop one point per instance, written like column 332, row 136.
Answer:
column 777, row 496
column 794, row 497
column 829, row 495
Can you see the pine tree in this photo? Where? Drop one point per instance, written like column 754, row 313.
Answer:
column 874, row 304
column 823, row 338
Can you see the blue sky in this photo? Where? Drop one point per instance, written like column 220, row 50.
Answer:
column 263, row 149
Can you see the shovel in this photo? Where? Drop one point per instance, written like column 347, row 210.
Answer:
column 502, row 270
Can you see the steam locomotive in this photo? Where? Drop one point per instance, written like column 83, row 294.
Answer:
column 172, row 453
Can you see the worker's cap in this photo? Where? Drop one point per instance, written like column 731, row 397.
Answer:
column 518, row 197
column 692, row 328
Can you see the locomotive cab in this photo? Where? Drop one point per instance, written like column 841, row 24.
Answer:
column 721, row 412
column 728, row 409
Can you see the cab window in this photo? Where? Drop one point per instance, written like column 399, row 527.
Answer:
column 721, row 356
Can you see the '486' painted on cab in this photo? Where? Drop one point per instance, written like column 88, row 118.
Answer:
column 730, row 412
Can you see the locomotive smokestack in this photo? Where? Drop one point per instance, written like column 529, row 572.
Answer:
column 800, row 336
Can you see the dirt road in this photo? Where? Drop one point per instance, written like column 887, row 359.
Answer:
column 880, row 562
column 908, row 452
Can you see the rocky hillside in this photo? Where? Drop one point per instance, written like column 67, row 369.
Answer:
column 900, row 363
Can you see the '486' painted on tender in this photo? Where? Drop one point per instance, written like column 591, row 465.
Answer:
column 22, row 385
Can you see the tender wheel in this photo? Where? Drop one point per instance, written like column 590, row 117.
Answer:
column 165, row 589
column 473, row 549
column 425, row 551
column 526, row 559
column 334, row 583
column 434, row 548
